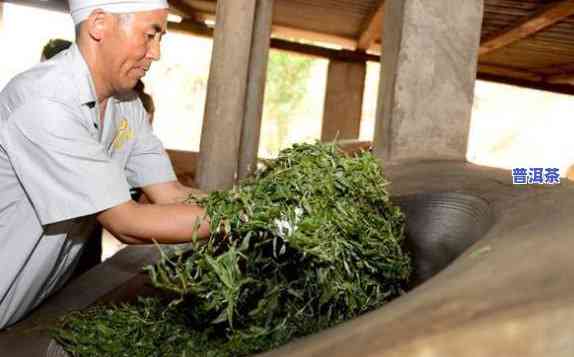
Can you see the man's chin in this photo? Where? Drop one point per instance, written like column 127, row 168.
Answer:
column 126, row 90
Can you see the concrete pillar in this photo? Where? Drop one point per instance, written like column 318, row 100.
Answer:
column 344, row 100
column 255, row 88
column 427, row 79
column 226, row 94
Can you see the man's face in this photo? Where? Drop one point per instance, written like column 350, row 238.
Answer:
column 133, row 44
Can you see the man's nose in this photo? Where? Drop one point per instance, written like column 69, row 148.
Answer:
column 154, row 51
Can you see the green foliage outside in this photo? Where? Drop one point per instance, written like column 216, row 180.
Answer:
column 287, row 82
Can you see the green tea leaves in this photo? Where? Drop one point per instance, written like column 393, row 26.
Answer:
column 310, row 241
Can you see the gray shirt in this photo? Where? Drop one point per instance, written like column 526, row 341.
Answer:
column 58, row 167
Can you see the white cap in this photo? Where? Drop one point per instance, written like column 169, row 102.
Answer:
column 81, row 9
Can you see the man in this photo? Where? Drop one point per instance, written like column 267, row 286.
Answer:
column 92, row 250
column 73, row 140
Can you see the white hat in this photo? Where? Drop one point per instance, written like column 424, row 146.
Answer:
column 81, row 9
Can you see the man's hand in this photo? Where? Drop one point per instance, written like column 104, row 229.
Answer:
column 198, row 194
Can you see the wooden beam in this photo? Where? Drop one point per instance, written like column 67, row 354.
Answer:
column 203, row 6
column 280, row 44
column 549, row 87
column 343, row 107
column 546, row 17
column 322, row 52
column 560, row 83
column 226, row 95
column 191, row 27
column 183, row 8
column 290, row 33
column 256, row 81
column 1, row 16
column 562, row 68
column 203, row 16
column 372, row 29
column 509, row 72
column 566, row 78
column 558, row 74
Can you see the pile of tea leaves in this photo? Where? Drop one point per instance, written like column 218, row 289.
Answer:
column 310, row 241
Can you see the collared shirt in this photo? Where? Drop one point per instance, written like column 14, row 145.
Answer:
column 58, row 168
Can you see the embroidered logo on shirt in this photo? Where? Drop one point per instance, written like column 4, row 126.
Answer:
column 124, row 134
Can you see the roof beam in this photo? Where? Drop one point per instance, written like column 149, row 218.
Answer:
column 557, row 69
column 372, row 29
column 203, row 5
column 322, row 52
column 558, row 74
column 294, row 33
column 546, row 17
column 199, row 29
column 191, row 27
column 182, row 7
column 509, row 72
column 556, row 88
column 560, row 83
column 291, row 33
column 566, row 78
column 1, row 16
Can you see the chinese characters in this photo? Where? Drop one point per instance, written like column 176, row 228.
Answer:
column 535, row 176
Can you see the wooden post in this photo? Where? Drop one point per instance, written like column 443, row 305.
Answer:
column 255, row 88
column 226, row 94
column 1, row 16
column 344, row 100
column 428, row 71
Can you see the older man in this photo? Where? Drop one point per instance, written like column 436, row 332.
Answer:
column 73, row 140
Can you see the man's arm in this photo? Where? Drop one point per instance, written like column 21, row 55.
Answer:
column 135, row 223
column 168, row 220
column 170, row 192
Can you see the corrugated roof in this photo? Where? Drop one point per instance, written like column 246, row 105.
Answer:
column 539, row 53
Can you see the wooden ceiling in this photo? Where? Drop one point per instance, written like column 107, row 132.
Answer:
column 524, row 42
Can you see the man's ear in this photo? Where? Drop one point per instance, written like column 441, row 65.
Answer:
column 96, row 24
